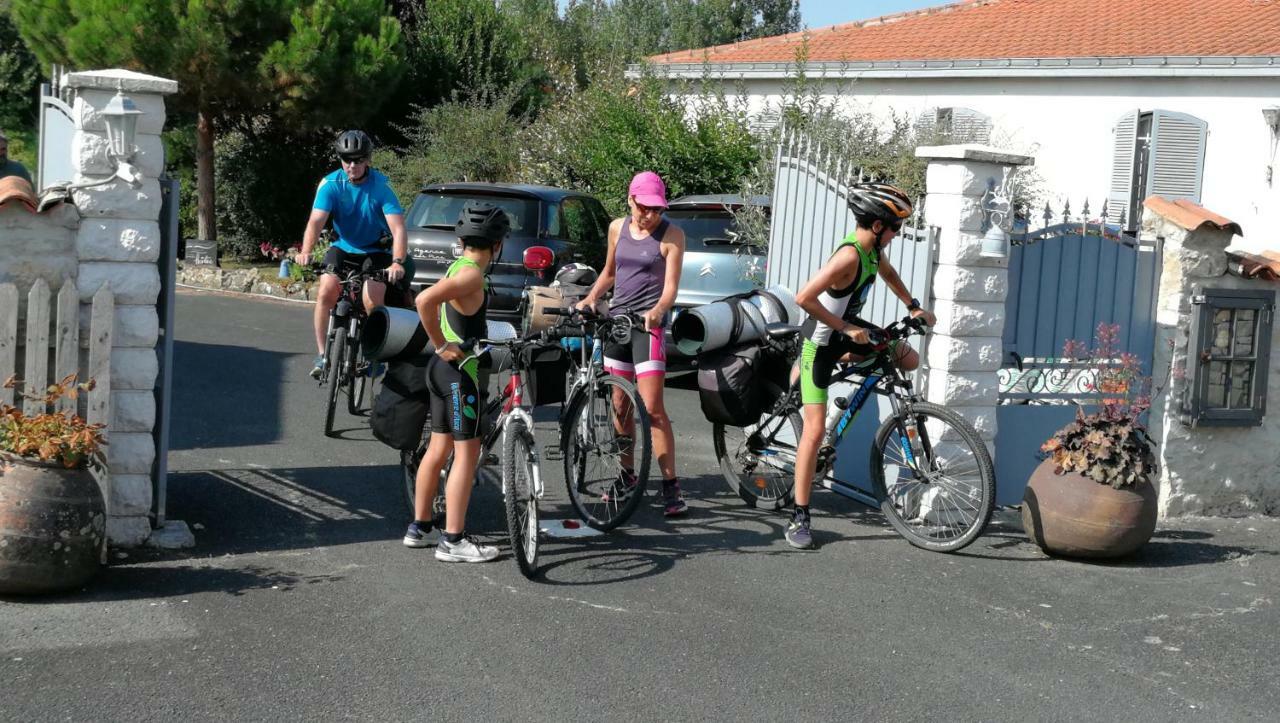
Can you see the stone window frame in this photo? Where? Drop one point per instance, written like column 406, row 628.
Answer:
column 1202, row 404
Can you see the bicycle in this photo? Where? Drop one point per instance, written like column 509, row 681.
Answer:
column 603, row 425
column 507, row 417
column 345, row 367
column 940, row 493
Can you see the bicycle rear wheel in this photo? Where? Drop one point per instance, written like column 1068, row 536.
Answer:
column 759, row 461
column 519, row 495
column 360, row 382
column 934, row 478
column 336, row 368
column 604, row 428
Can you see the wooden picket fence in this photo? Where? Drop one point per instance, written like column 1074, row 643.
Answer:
column 35, row 341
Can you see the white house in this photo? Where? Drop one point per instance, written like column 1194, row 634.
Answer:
column 1117, row 98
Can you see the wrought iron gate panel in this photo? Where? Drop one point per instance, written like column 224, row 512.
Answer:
column 1065, row 280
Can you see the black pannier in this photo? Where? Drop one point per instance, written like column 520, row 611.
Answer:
column 738, row 384
column 547, row 369
column 403, row 404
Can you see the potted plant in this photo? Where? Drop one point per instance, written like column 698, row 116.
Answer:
column 52, row 513
column 1093, row 495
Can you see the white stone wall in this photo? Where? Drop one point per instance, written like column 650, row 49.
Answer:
column 1206, row 470
column 118, row 242
column 37, row 246
column 964, row 350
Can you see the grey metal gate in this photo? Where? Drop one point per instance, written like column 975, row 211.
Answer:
column 810, row 215
column 1064, row 280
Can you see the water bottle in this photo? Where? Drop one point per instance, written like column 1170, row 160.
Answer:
column 835, row 408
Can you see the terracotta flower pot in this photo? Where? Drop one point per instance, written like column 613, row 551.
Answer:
column 52, row 527
column 1070, row 514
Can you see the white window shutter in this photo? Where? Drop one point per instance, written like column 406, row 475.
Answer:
column 1176, row 163
column 970, row 126
column 1123, row 151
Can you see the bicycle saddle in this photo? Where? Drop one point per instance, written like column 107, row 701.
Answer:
column 781, row 330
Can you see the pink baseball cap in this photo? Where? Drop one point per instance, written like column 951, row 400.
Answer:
column 649, row 190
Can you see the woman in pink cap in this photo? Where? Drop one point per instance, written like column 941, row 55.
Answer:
column 643, row 269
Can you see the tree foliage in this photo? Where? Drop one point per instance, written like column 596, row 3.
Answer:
column 19, row 76
column 310, row 62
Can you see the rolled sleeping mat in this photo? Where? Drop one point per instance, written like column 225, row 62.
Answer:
column 392, row 334
column 733, row 320
column 778, row 305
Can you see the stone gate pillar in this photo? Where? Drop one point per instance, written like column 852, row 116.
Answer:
column 118, row 242
column 968, row 294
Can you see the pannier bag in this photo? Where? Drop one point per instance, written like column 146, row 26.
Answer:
column 556, row 296
column 403, row 403
column 733, row 320
column 548, row 368
column 738, row 384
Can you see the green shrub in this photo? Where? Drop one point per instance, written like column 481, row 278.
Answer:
column 596, row 139
column 472, row 139
column 266, row 183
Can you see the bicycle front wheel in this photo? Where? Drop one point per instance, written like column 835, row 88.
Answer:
column 933, row 477
column 759, row 461
column 606, row 442
column 336, row 368
column 519, row 495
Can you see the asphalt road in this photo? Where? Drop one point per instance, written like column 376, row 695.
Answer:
column 300, row 603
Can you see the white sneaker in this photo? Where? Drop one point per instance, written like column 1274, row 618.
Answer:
column 465, row 550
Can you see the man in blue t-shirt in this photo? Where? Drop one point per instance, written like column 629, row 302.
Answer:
column 365, row 213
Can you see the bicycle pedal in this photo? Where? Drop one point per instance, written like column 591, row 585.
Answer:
column 552, row 452
column 490, row 459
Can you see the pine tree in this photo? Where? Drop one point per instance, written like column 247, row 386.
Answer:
column 315, row 63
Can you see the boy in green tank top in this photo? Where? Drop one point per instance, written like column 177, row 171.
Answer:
column 835, row 332
column 452, row 312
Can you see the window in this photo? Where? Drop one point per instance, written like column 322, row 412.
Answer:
column 1156, row 153
column 1227, row 358
column 440, row 209
column 585, row 229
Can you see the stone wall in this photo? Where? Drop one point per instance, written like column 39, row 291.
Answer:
column 1205, row 470
column 37, row 246
column 118, row 242
column 964, row 349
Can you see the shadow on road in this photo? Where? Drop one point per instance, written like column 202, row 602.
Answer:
column 225, row 396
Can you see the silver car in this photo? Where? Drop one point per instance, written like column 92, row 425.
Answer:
column 718, row 261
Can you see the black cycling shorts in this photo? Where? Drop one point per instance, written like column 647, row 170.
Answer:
column 337, row 261
column 456, row 403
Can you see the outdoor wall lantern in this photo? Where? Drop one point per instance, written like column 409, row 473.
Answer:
column 995, row 205
column 1272, row 117
column 121, row 117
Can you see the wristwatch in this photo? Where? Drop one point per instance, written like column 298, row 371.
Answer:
column 915, row 304
column 400, row 260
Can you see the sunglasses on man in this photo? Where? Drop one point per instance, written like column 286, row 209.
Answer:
column 354, row 160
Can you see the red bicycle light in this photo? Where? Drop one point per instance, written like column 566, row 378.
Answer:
column 538, row 258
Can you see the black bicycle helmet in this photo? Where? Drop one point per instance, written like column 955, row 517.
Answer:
column 889, row 204
column 353, row 144
column 482, row 224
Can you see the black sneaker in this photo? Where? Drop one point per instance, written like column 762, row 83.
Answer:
column 798, row 534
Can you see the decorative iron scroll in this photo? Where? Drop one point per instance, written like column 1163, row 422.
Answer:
column 1049, row 381
column 1084, row 223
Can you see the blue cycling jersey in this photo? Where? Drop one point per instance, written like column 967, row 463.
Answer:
column 358, row 210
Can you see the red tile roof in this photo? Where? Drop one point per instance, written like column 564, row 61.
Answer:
column 1190, row 215
column 987, row 29
column 1253, row 266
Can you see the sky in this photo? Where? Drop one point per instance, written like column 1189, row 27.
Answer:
column 821, row 13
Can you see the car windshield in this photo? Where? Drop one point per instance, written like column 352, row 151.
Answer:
column 705, row 229
column 439, row 210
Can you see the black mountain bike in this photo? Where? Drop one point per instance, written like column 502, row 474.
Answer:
column 931, row 474
column 346, row 371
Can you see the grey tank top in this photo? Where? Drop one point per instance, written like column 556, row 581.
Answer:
column 641, row 269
